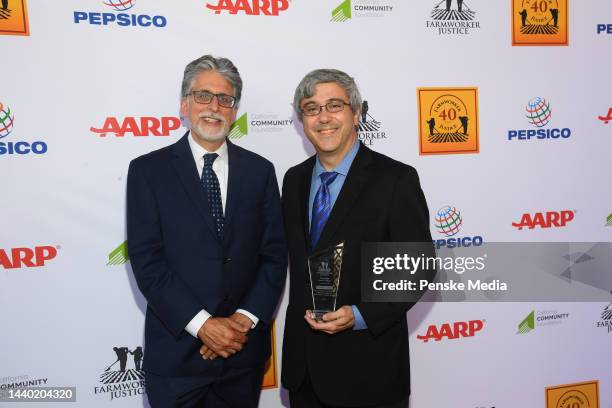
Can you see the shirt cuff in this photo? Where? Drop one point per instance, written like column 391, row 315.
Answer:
column 360, row 324
column 197, row 322
column 251, row 316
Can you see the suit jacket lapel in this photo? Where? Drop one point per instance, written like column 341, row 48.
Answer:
column 304, row 190
column 355, row 180
column 183, row 163
column 234, row 186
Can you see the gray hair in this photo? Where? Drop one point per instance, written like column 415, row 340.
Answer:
column 223, row 66
column 320, row 76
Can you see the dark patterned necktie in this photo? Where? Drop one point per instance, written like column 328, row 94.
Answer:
column 321, row 207
column 213, row 191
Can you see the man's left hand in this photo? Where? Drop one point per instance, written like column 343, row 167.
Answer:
column 244, row 322
column 333, row 322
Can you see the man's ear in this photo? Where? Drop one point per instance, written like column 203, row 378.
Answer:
column 184, row 107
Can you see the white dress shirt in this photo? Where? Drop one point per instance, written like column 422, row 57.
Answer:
column 221, row 169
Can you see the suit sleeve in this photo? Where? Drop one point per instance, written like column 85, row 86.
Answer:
column 167, row 295
column 263, row 297
column 408, row 221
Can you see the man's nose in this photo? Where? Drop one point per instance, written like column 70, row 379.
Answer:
column 324, row 116
column 214, row 104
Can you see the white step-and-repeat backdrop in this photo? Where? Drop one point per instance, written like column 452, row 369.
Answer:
column 503, row 106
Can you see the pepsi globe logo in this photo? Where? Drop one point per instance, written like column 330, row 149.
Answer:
column 448, row 220
column 120, row 5
column 20, row 147
column 539, row 115
column 538, row 111
column 6, row 121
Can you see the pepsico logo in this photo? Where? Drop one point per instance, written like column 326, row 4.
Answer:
column 539, row 114
column 119, row 16
column 120, row 5
column 6, row 121
column 20, row 147
column 448, row 220
column 538, row 111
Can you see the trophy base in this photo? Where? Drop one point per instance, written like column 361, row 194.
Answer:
column 318, row 314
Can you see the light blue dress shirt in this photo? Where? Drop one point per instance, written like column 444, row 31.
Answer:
column 334, row 190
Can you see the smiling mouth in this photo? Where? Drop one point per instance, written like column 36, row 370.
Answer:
column 326, row 131
column 211, row 120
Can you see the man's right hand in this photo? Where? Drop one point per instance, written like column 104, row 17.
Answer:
column 223, row 336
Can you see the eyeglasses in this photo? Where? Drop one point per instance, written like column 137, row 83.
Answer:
column 333, row 106
column 205, row 97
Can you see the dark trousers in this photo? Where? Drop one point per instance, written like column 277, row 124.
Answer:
column 223, row 387
column 4, row 4
column 305, row 397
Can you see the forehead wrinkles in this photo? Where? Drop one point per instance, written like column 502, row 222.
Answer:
column 212, row 81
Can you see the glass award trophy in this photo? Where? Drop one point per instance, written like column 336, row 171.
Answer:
column 324, row 272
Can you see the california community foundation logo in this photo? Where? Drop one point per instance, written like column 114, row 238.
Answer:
column 22, row 381
column 119, row 381
column 541, row 318
column 14, row 17
column 448, row 120
column 579, row 395
column 119, row 255
column 350, row 9
column 540, row 22
column 453, row 17
column 258, row 123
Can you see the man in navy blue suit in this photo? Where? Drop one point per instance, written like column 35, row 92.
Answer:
column 207, row 247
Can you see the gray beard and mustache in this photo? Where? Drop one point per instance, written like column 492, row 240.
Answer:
column 201, row 133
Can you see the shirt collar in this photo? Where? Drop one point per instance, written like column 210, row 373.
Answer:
column 345, row 164
column 198, row 151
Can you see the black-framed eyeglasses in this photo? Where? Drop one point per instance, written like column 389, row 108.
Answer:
column 205, row 97
column 332, row 106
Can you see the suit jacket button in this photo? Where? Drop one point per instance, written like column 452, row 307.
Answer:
column 227, row 260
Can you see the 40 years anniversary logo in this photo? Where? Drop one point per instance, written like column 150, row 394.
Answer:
column 448, row 120
column 540, row 22
column 14, row 17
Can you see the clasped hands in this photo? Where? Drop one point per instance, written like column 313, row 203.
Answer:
column 223, row 336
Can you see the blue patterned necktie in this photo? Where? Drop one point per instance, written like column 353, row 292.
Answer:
column 213, row 191
column 321, row 207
